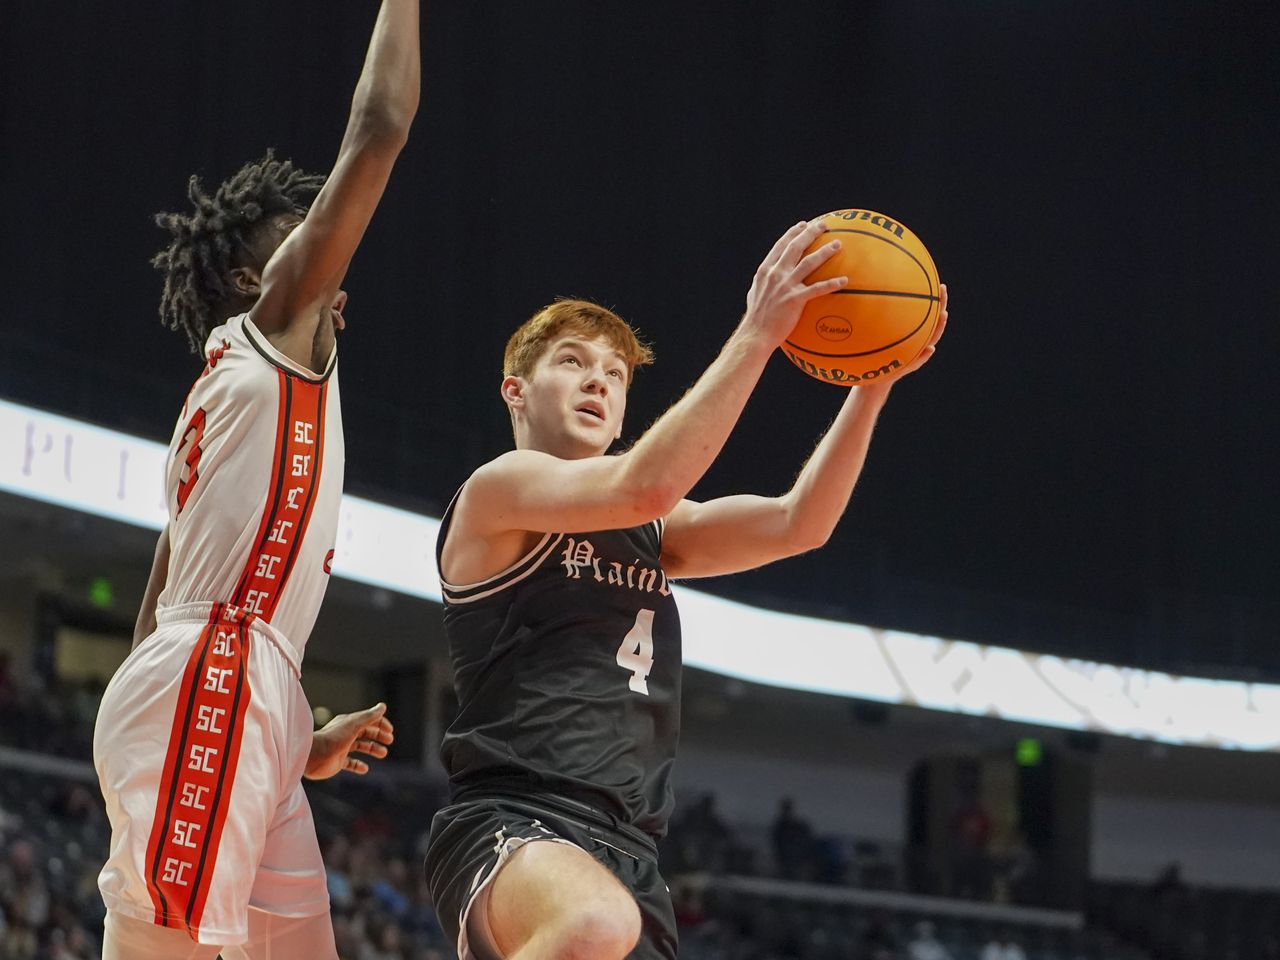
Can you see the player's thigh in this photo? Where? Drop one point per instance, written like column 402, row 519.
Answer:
column 272, row 937
column 545, row 885
column 289, row 880
column 127, row 938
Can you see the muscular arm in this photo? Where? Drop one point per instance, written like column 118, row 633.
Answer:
column 742, row 532
column 302, row 278
column 531, row 491
column 737, row 533
column 146, row 624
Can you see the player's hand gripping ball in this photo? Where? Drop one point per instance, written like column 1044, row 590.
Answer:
column 873, row 328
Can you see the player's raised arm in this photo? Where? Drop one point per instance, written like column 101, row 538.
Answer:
column 544, row 491
column 736, row 533
column 302, row 278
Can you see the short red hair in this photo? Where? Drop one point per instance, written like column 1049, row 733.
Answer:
column 587, row 319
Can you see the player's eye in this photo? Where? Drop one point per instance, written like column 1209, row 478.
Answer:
column 616, row 373
column 570, row 360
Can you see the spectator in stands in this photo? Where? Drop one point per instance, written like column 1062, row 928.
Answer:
column 348, row 935
column 72, row 944
column 77, row 804
column 830, row 861
column 420, row 920
column 1013, row 870
column 1169, row 882
column 793, row 843
column 970, row 834
column 687, row 903
column 924, row 945
column 878, row 941
column 337, row 850
column 702, row 837
column 1003, row 947
column 19, row 942
column 8, row 689
column 391, row 889
column 24, row 894
column 870, row 867
column 384, row 940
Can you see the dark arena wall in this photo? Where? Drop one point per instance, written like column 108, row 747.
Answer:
column 1085, row 470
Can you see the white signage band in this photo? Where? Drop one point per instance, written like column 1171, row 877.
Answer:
column 110, row 474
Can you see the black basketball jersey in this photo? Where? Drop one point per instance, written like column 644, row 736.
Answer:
column 567, row 671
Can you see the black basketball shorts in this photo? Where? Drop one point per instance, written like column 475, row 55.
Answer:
column 470, row 840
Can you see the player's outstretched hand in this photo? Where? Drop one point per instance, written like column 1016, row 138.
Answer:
column 778, row 291
column 368, row 732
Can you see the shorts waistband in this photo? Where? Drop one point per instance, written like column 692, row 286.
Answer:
column 202, row 612
column 612, row 831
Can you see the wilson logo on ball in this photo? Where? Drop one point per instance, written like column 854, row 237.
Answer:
column 839, row 375
column 878, row 219
column 834, row 329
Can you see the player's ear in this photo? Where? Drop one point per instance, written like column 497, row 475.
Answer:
column 512, row 390
column 247, row 281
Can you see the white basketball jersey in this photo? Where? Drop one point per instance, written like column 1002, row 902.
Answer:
column 254, row 482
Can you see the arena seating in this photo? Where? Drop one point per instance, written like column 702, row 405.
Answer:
column 53, row 835
column 1178, row 922
column 730, row 903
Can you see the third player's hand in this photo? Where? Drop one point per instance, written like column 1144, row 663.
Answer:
column 779, row 292
column 333, row 745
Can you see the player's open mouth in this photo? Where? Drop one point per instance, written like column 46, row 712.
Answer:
column 591, row 409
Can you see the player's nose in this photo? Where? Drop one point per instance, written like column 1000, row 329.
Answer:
column 340, row 301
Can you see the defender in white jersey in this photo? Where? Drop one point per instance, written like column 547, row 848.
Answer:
column 255, row 469
column 204, row 734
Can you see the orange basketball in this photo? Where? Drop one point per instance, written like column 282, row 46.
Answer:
column 881, row 320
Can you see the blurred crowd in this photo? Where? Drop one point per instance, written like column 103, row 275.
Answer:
column 791, row 849
column 49, row 862
column 53, row 836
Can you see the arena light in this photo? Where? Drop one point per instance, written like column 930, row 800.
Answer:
column 82, row 467
column 110, row 474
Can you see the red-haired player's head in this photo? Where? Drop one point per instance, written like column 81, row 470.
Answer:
column 566, row 371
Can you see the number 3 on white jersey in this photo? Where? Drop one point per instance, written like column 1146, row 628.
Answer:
column 636, row 652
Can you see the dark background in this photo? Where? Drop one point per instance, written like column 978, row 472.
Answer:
column 1089, row 464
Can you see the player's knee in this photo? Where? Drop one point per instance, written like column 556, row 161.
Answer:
column 606, row 928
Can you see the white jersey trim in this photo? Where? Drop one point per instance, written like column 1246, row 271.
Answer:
column 533, row 558
column 498, row 576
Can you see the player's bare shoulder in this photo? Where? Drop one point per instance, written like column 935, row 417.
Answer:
column 482, row 539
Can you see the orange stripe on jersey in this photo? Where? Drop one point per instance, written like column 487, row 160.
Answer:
column 199, row 769
column 313, row 404
column 274, row 487
column 295, row 479
column 237, row 642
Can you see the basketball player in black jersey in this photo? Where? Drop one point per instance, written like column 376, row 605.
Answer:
column 555, row 561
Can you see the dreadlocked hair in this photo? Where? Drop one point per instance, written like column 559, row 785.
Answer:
column 209, row 243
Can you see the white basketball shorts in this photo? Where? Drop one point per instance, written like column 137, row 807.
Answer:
column 200, row 745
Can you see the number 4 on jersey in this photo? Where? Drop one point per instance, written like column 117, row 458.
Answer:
column 636, row 652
